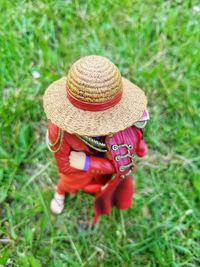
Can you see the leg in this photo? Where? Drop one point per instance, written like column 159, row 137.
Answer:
column 57, row 203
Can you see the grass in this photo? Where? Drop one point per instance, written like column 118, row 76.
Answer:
column 154, row 43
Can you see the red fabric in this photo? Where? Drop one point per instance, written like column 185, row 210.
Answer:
column 141, row 150
column 118, row 192
column 91, row 106
column 71, row 179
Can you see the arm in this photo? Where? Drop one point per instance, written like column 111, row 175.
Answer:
column 141, row 149
column 90, row 164
column 62, row 155
column 101, row 166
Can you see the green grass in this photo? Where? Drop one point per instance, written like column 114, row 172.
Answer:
column 154, row 43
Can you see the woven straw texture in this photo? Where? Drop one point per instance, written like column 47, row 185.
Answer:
column 94, row 79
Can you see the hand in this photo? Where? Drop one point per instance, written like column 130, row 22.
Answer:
column 77, row 160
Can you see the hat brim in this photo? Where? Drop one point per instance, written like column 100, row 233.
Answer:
column 93, row 123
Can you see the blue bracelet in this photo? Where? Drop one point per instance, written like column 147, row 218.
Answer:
column 87, row 163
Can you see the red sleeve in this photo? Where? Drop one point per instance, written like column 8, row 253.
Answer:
column 101, row 166
column 141, row 149
column 62, row 156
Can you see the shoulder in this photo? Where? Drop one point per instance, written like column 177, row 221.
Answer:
column 141, row 123
column 53, row 131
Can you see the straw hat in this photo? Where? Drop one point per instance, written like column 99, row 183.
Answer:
column 94, row 99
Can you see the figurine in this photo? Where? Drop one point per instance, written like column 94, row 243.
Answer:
column 95, row 131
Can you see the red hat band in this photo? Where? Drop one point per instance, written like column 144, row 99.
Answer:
column 94, row 106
